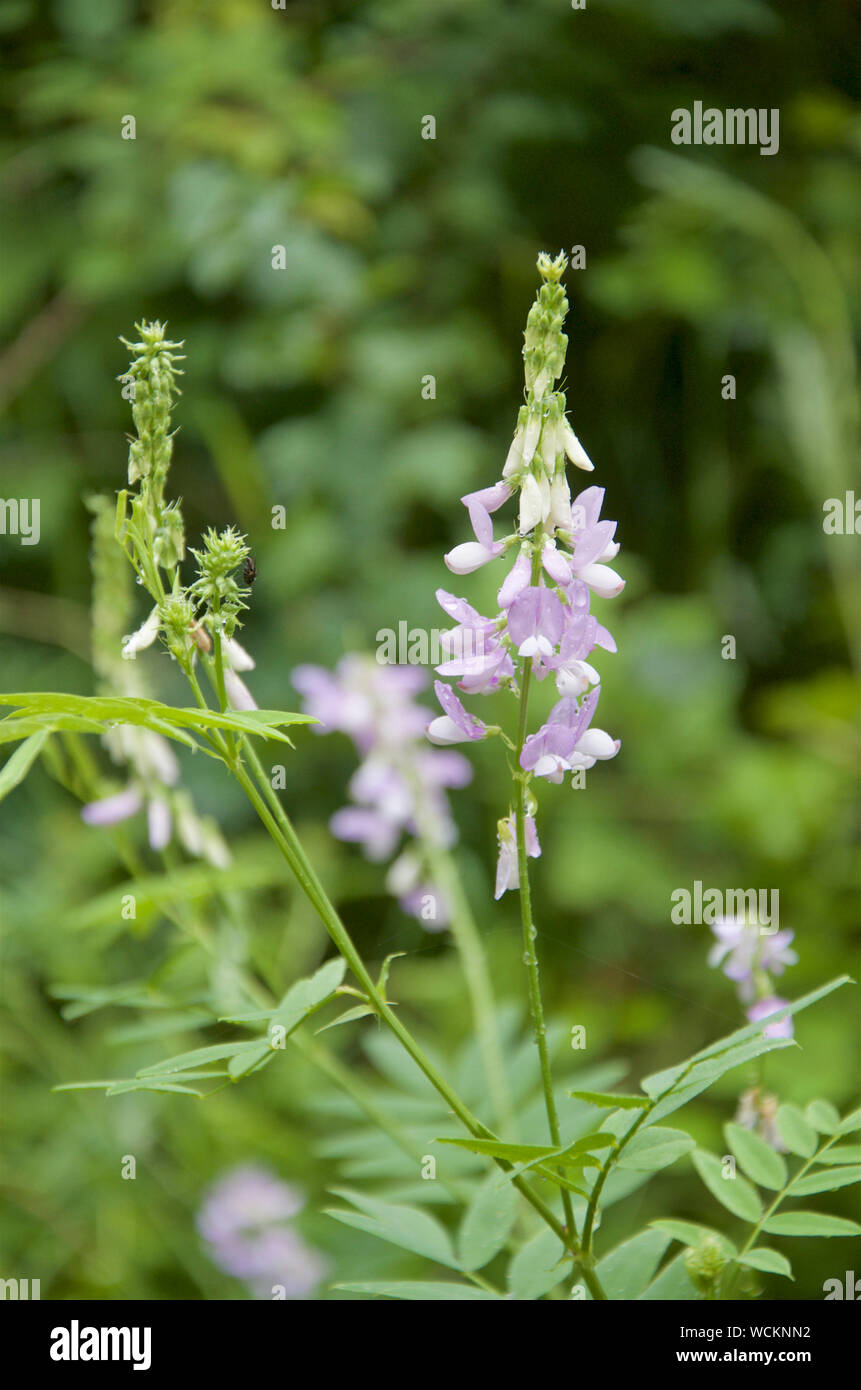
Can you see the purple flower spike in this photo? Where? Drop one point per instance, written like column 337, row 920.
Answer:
column 536, row 621
column 456, row 725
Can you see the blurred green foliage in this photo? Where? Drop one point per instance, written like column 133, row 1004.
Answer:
column 407, row 257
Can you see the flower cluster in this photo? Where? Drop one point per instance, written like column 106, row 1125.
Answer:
column 216, row 589
column 152, row 764
column 244, row 1220
column 749, row 955
column 757, row 1110
column 561, row 551
column 151, row 378
column 399, row 788
column 199, row 620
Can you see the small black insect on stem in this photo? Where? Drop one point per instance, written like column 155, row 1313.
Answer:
column 249, row 570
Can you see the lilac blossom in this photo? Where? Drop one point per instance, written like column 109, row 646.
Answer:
column 399, row 804
column 750, row 956
column 743, row 948
column 244, row 1219
column 560, row 552
column 456, row 725
column 473, row 554
column 566, row 742
column 153, row 788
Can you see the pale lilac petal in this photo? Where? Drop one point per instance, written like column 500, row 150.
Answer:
column 360, row 825
column 557, row 565
column 763, row 1008
column 517, row 579
column 591, row 544
column 462, row 612
column 111, row 809
column 536, row 621
column 470, row 726
column 586, row 508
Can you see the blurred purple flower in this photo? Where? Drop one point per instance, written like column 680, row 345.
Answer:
column 243, row 1218
column 764, row 1008
column 743, row 948
column 399, row 787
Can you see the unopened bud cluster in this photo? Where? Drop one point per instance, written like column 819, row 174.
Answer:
column 216, row 589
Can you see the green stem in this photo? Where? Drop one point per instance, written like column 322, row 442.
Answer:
column 530, row 956
column 281, row 830
column 219, row 668
column 784, row 1192
column 468, row 943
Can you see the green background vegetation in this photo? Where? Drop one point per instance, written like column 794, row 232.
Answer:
column 408, row 257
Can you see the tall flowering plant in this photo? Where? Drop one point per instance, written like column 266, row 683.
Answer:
column 524, row 1194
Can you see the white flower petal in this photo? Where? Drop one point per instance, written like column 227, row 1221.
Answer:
column 605, row 582
column 467, row 557
column 443, row 730
column 143, row 638
column 575, row 451
column 238, row 694
column 236, row 656
column 595, row 743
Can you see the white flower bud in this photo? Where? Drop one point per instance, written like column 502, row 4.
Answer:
column 605, row 582
column 574, row 449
